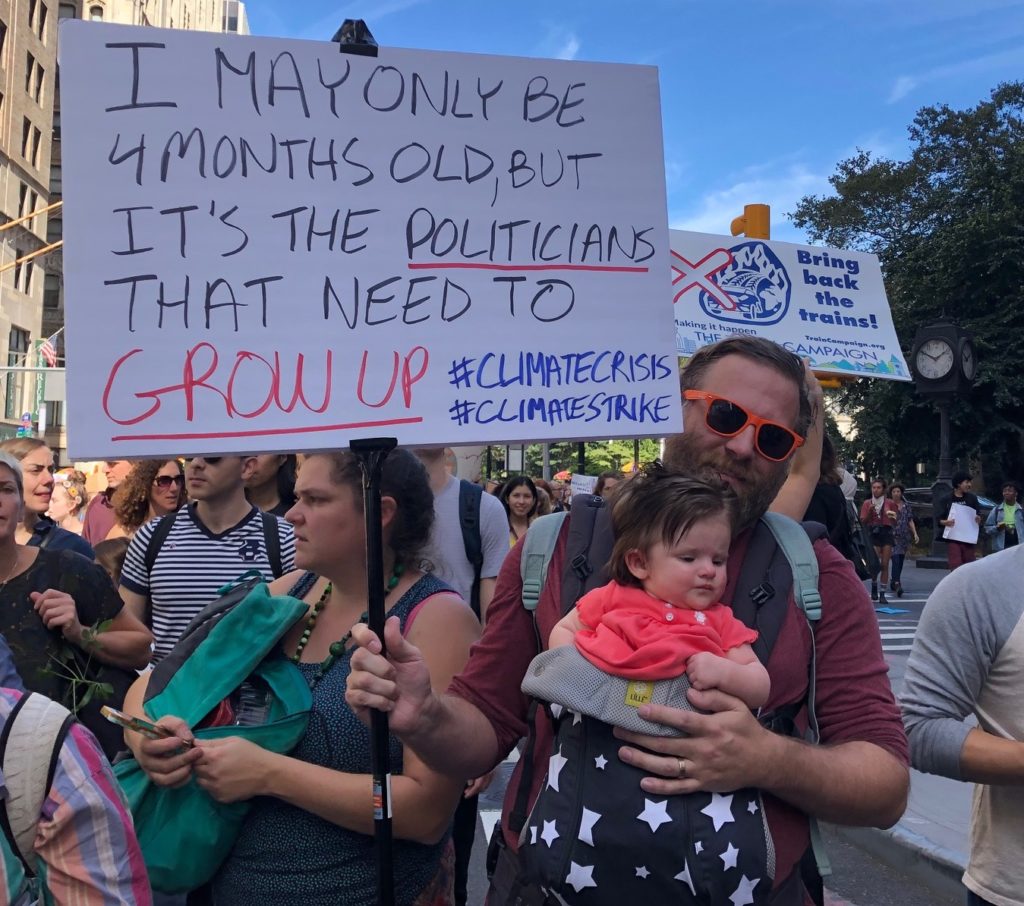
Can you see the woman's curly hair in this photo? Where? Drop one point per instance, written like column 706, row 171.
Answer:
column 405, row 479
column 131, row 499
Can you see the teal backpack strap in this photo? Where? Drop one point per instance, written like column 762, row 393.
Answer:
column 793, row 540
column 538, row 546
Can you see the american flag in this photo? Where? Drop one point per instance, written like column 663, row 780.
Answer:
column 48, row 350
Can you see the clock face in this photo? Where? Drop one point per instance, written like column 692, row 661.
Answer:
column 935, row 359
column 968, row 361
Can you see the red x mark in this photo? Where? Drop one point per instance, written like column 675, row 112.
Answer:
column 699, row 275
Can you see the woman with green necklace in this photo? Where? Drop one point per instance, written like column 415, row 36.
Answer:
column 308, row 837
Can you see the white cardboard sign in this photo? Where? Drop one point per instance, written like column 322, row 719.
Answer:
column 825, row 305
column 273, row 245
column 965, row 524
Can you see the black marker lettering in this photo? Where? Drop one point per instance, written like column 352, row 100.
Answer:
column 135, row 103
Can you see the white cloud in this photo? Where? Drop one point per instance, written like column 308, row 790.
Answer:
column 779, row 187
column 324, row 29
column 569, row 48
column 901, row 88
column 992, row 62
column 559, row 42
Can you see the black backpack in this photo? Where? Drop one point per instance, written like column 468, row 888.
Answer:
column 271, row 541
column 470, row 495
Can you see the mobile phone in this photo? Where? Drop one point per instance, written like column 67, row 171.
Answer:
column 137, row 724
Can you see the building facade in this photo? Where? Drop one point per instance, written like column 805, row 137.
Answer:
column 32, row 291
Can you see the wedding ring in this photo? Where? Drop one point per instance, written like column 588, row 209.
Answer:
column 682, row 768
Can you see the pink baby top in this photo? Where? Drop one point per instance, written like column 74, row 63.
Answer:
column 638, row 636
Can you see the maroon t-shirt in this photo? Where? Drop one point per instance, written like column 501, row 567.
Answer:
column 854, row 700
column 99, row 519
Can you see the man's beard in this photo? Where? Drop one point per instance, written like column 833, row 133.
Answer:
column 754, row 492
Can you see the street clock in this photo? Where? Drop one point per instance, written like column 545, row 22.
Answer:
column 943, row 359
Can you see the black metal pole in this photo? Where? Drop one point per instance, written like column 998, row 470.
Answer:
column 581, row 457
column 371, row 454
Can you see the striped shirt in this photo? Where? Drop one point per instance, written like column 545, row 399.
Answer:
column 86, row 844
column 192, row 564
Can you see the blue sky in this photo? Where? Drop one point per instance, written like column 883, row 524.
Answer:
column 760, row 99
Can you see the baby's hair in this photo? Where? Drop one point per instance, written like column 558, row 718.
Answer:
column 660, row 506
column 110, row 555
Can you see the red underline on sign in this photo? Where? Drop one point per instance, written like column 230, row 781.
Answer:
column 465, row 265
column 309, row 429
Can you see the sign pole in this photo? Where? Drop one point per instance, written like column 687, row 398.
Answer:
column 371, row 454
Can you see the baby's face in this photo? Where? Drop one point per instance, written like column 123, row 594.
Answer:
column 692, row 572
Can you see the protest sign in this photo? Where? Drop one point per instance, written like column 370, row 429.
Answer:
column 583, row 484
column 965, row 524
column 273, row 245
column 825, row 305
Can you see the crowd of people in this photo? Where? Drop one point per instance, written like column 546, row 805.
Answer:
column 734, row 691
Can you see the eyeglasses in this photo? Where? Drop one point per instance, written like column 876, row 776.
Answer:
column 727, row 419
column 209, row 460
column 165, row 481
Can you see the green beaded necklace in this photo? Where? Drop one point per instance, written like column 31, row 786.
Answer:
column 337, row 648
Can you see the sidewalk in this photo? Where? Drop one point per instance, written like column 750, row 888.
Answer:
column 930, row 840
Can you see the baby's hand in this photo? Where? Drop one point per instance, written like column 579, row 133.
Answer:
column 704, row 670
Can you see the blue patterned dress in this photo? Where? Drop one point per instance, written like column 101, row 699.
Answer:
column 287, row 856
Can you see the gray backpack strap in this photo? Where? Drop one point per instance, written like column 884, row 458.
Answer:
column 538, row 546
column 792, row 538
column 29, row 748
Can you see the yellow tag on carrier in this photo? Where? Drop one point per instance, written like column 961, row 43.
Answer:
column 639, row 693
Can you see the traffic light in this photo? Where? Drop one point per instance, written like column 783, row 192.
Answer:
column 755, row 222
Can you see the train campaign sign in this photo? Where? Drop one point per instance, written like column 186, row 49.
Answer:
column 826, row 305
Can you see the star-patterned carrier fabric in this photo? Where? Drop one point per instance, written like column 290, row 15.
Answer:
column 595, row 837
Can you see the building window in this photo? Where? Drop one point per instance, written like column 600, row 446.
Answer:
column 96, row 13
column 26, row 137
column 54, row 229
column 41, row 21
column 17, row 347
column 67, row 11
column 37, row 140
column 34, row 74
column 19, row 267
column 51, row 292
column 3, row 39
column 56, row 180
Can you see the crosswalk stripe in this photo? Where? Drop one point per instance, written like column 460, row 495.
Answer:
column 489, row 818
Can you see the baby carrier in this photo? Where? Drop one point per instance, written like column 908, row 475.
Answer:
column 594, row 836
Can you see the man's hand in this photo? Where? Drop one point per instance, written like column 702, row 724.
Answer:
column 58, row 611
column 398, row 684
column 722, row 751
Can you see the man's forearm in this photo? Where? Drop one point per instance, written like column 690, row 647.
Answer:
column 454, row 738
column 855, row 783
column 991, row 759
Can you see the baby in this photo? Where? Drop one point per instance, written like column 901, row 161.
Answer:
column 661, row 616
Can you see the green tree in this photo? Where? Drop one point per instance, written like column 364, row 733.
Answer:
column 947, row 225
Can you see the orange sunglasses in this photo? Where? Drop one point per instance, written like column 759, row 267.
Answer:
column 727, row 419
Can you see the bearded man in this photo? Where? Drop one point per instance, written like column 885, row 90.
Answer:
column 745, row 410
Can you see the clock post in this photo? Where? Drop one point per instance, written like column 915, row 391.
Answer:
column 944, row 364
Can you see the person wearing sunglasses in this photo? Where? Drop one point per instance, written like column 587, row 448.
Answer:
column 175, row 564
column 154, row 487
column 745, row 412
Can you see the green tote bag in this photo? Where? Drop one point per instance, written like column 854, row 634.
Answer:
column 185, row 834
